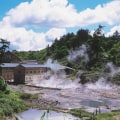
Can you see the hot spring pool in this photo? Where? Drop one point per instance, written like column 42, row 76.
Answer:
column 35, row 114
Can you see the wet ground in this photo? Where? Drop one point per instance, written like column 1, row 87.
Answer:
column 92, row 100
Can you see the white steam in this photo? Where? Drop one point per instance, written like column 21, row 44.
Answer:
column 55, row 78
column 102, row 83
column 112, row 68
column 53, row 65
column 79, row 52
column 99, row 85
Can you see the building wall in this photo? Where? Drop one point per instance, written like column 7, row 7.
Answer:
column 19, row 75
column 7, row 74
column 33, row 74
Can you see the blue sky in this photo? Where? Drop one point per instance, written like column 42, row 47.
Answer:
column 79, row 4
column 6, row 5
column 83, row 4
column 33, row 24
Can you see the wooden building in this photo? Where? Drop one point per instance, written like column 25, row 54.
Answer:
column 25, row 73
column 22, row 73
column 7, row 71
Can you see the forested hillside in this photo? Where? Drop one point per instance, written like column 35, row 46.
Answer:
column 82, row 51
column 99, row 48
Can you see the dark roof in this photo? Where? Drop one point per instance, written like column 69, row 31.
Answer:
column 12, row 65
column 33, row 65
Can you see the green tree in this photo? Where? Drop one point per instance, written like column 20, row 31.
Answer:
column 97, row 47
column 99, row 31
column 4, row 44
column 96, row 43
column 82, row 37
column 60, row 52
column 114, row 54
column 116, row 36
column 3, row 84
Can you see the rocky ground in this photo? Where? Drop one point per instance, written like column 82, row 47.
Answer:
column 87, row 99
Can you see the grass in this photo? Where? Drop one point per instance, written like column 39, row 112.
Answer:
column 27, row 96
column 11, row 103
column 108, row 116
column 104, row 116
column 80, row 113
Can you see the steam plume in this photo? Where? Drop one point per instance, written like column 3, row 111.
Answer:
column 79, row 52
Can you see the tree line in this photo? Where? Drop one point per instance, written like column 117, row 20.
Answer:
column 100, row 49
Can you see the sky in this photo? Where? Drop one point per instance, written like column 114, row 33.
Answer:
column 32, row 25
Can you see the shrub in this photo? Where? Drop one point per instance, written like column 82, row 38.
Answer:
column 89, row 76
column 116, row 79
column 1, row 112
column 10, row 103
column 28, row 96
column 3, row 84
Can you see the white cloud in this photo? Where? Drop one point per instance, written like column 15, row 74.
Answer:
column 55, row 33
column 55, row 15
column 58, row 13
column 25, row 40
column 22, row 39
column 113, row 30
column 108, row 13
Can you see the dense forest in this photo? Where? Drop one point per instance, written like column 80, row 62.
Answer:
column 83, row 51
column 99, row 48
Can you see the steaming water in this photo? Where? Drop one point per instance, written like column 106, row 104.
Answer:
column 56, row 81
column 34, row 114
column 100, row 85
column 58, row 78
column 75, row 95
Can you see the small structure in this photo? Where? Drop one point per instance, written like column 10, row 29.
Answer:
column 22, row 73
